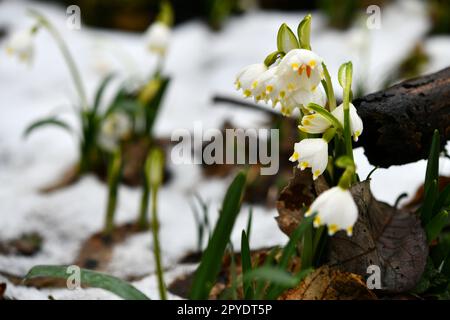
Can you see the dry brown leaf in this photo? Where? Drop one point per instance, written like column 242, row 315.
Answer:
column 389, row 238
column 326, row 283
column 384, row 236
column 298, row 194
column 96, row 252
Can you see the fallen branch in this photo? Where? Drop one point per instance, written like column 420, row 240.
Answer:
column 399, row 121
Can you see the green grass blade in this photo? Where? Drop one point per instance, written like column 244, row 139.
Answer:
column 443, row 200
column 278, row 278
column 290, row 249
column 428, row 203
column 280, row 289
column 246, row 262
column 262, row 284
column 291, row 246
column 272, row 274
column 89, row 278
column 249, row 224
column 233, row 275
column 46, row 122
column 441, row 250
column 435, row 226
column 152, row 108
column 307, row 249
column 206, row 273
column 432, row 172
column 101, row 90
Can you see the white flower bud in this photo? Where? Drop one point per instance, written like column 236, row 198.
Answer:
column 158, row 38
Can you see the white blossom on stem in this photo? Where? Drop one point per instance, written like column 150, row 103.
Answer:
column 336, row 209
column 311, row 153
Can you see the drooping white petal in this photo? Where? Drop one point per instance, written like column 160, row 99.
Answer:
column 158, row 37
column 336, row 209
column 265, row 85
column 304, row 97
column 356, row 123
column 311, row 153
column 21, row 45
column 247, row 78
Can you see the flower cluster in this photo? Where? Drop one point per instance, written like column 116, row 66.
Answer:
column 293, row 81
column 292, row 77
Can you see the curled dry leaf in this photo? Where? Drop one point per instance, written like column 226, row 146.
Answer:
column 326, row 283
column 296, row 197
column 389, row 238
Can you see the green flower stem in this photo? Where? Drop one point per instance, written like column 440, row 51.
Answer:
column 142, row 218
column 347, row 178
column 307, row 250
column 328, row 86
column 347, row 124
column 113, row 184
column 154, row 173
column 76, row 77
column 319, row 243
column 156, row 245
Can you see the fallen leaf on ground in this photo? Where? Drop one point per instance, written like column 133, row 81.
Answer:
column 326, row 283
column 384, row 236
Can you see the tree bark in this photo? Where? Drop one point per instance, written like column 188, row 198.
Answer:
column 399, row 122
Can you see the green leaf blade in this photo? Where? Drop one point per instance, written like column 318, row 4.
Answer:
column 436, row 225
column 46, row 122
column 100, row 91
column 246, row 265
column 432, row 172
column 90, row 278
column 286, row 39
column 304, row 32
column 206, row 273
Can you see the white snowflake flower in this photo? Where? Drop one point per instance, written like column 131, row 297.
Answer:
column 247, row 78
column 355, row 121
column 311, row 153
column 336, row 209
column 301, row 69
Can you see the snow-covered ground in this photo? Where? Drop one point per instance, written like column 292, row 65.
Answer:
column 201, row 63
